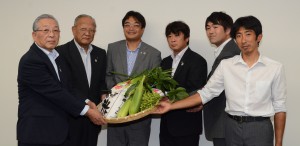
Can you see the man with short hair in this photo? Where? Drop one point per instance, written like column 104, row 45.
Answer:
column 189, row 69
column 255, row 88
column 130, row 56
column 45, row 103
column 218, row 26
column 87, row 64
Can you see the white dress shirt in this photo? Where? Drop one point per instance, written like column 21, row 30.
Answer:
column 259, row 90
column 176, row 59
column 86, row 59
column 52, row 56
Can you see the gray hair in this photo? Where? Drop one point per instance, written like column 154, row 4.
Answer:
column 82, row 16
column 43, row 16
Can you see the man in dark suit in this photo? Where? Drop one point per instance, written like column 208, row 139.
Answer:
column 87, row 64
column 255, row 88
column 45, row 104
column 181, row 127
column 130, row 56
column 218, row 26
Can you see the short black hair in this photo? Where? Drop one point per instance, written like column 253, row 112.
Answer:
column 136, row 15
column 220, row 18
column 248, row 22
column 176, row 27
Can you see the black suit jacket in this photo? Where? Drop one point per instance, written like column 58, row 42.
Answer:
column 45, row 104
column 214, row 110
column 191, row 74
column 70, row 53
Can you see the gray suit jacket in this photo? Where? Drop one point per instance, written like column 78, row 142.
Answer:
column 148, row 58
column 214, row 110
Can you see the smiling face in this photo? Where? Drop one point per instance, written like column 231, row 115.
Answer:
column 133, row 30
column 84, row 31
column 216, row 33
column 247, row 41
column 177, row 42
column 47, row 34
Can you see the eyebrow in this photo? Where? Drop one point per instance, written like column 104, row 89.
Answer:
column 246, row 31
column 133, row 22
column 49, row 26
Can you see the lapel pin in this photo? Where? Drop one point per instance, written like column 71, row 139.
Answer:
column 96, row 60
column 182, row 63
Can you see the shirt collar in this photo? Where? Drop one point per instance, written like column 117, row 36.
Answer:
column 219, row 49
column 261, row 60
column 135, row 49
column 180, row 54
column 54, row 54
column 82, row 49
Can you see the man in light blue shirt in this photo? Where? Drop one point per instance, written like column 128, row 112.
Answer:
column 130, row 56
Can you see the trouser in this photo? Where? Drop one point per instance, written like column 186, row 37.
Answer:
column 254, row 133
column 82, row 132
column 219, row 142
column 136, row 133
column 189, row 140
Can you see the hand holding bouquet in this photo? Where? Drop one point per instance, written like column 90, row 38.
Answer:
column 139, row 94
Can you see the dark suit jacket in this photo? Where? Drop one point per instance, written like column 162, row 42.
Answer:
column 80, row 83
column 191, row 74
column 214, row 110
column 44, row 103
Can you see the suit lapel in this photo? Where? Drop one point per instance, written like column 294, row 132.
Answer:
column 181, row 64
column 94, row 64
column 140, row 58
column 60, row 70
column 76, row 58
column 168, row 64
column 46, row 60
column 123, row 56
column 227, row 52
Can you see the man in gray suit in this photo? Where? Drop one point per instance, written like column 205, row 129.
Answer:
column 218, row 26
column 130, row 56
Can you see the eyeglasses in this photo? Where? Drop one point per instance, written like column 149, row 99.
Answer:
column 47, row 31
column 135, row 25
column 85, row 30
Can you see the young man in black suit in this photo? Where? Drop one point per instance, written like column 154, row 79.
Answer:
column 45, row 104
column 87, row 64
column 218, row 26
column 189, row 69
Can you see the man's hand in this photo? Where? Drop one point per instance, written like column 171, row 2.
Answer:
column 165, row 105
column 103, row 96
column 162, row 107
column 95, row 116
column 91, row 104
column 195, row 109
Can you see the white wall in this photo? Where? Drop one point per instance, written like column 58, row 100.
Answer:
column 280, row 20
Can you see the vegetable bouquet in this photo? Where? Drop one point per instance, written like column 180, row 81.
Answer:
column 143, row 91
